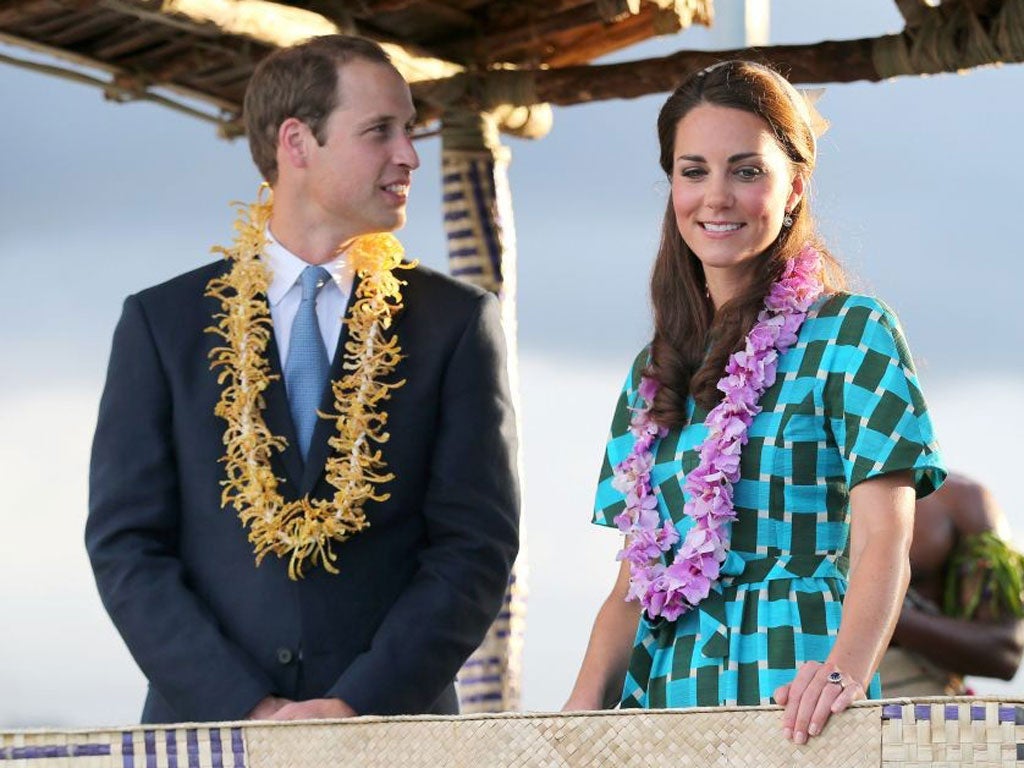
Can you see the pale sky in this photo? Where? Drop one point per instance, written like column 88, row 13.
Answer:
column 917, row 191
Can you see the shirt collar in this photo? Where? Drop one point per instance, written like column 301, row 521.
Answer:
column 285, row 268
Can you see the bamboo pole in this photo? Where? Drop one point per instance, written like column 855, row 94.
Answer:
column 482, row 251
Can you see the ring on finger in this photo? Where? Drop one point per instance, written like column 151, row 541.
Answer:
column 836, row 678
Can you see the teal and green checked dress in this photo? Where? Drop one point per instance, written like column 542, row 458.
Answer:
column 845, row 407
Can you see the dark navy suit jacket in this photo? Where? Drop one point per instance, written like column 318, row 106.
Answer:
column 212, row 632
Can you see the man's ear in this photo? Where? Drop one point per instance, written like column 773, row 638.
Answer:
column 293, row 139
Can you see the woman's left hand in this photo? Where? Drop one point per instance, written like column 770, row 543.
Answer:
column 813, row 697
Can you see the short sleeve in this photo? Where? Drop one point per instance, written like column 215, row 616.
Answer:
column 610, row 502
column 873, row 400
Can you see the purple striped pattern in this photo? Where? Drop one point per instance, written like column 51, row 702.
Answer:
column 142, row 749
column 51, row 751
column 238, row 747
column 172, row 750
column 475, row 246
column 476, row 698
column 466, row 680
column 127, row 750
column 1010, row 714
column 215, row 751
column 149, row 742
column 892, row 712
column 938, row 750
column 476, row 661
column 192, row 747
column 1007, row 713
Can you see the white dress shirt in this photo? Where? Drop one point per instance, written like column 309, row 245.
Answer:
column 285, row 293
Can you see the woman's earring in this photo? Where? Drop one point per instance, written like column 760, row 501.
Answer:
column 787, row 220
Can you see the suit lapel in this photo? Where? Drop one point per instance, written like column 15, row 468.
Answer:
column 278, row 417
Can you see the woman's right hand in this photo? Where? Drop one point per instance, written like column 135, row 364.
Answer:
column 611, row 643
column 579, row 703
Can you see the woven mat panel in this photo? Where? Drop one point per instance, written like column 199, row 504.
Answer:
column 184, row 746
column 900, row 733
column 952, row 732
column 705, row 738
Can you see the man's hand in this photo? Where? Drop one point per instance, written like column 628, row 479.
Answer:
column 314, row 709
column 266, row 708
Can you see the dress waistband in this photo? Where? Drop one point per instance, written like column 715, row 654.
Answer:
column 712, row 627
column 736, row 570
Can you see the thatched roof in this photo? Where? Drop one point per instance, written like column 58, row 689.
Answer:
column 466, row 54
column 206, row 49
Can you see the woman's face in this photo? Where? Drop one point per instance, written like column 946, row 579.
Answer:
column 731, row 187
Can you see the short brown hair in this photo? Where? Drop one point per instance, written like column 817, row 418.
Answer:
column 301, row 82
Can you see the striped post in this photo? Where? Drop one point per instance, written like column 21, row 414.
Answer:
column 482, row 251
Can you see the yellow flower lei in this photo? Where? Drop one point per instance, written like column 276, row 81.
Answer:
column 304, row 529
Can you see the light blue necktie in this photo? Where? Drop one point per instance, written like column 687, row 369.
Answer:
column 307, row 367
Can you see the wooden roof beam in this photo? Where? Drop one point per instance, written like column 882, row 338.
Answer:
column 348, row 12
column 388, row 6
column 654, row 20
column 916, row 11
column 115, row 88
column 273, row 24
column 602, row 27
column 495, row 46
column 950, row 49
column 22, row 11
column 912, row 11
column 95, row 25
column 556, row 6
column 983, row 7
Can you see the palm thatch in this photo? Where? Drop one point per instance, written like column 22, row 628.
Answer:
column 465, row 55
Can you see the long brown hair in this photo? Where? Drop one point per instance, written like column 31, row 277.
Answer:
column 692, row 341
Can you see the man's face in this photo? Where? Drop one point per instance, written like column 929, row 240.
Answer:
column 358, row 181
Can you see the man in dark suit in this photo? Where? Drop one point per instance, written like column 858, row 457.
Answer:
column 218, row 636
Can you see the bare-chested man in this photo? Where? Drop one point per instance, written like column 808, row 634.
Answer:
column 932, row 652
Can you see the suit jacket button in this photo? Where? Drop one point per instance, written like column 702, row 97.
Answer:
column 284, row 656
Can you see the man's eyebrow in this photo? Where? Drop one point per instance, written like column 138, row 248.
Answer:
column 386, row 118
column 379, row 118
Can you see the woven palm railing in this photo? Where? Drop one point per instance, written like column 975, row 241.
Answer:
column 899, row 732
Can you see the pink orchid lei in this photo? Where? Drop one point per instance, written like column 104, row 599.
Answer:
column 672, row 590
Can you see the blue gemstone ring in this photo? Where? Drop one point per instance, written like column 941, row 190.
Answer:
column 836, row 678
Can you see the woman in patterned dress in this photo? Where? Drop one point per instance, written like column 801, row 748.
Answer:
column 816, row 563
